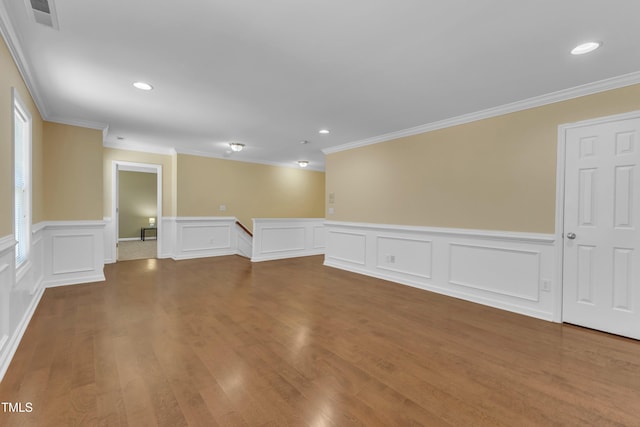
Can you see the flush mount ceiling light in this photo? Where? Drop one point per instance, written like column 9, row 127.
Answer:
column 304, row 142
column 303, row 163
column 583, row 48
column 323, row 131
column 236, row 146
column 142, row 86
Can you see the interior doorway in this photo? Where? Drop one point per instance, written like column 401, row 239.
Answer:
column 601, row 219
column 137, row 210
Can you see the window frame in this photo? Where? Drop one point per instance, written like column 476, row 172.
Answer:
column 20, row 109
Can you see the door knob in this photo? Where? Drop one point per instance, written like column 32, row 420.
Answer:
column 571, row 236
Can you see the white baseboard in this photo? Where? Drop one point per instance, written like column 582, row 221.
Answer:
column 509, row 271
column 13, row 342
column 77, row 280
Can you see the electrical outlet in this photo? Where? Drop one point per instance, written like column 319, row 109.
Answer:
column 391, row 259
column 222, row 208
column 331, row 211
column 546, row 285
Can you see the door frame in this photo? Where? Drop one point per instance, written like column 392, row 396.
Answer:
column 560, row 189
column 116, row 167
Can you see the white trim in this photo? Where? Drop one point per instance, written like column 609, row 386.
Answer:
column 21, row 109
column 80, row 123
column 560, row 189
column 280, row 238
column 7, row 243
column 537, row 101
column 16, row 337
column 116, row 167
column 138, row 147
column 202, row 218
column 244, row 159
column 131, row 239
column 53, row 225
column 519, row 264
column 481, row 234
column 11, row 38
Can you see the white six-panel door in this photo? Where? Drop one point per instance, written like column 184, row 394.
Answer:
column 601, row 271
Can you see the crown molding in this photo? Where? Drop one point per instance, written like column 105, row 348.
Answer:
column 143, row 148
column 245, row 160
column 537, row 101
column 81, row 123
column 13, row 43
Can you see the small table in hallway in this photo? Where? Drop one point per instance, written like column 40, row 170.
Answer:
column 143, row 232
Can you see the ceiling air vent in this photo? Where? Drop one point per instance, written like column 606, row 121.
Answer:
column 44, row 12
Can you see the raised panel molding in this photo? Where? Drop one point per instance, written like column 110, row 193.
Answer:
column 318, row 237
column 280, row 238
column 72, row 253
column 273, row 238
column 17, row 303
column 505, row 270
column 344, row 246
column 405, row 255
column 205, row 237
column 199, row 237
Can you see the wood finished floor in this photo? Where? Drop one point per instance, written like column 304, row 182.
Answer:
column 221, row 341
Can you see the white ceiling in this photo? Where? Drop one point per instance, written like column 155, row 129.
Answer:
column 272, row 73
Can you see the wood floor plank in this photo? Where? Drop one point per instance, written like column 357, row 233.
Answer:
column 224, row 342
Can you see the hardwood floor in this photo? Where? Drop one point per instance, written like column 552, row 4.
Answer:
column 221, row 341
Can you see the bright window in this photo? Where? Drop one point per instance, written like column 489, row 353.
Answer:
column 22, row 167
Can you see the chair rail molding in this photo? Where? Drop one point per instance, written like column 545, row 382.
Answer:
column 507, row 270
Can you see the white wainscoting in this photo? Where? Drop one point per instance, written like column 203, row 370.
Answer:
column 110, row 255
column 279, row 238
column 60, row 253
column 168, row 241
column 510, row 271
column 198, row 237
column 73, row 252
column 18, row 301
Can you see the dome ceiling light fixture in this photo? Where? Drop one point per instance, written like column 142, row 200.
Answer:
column 303, row 163
column 323, row 131
column 236, row 146
column 142, row 86
column 587, row 47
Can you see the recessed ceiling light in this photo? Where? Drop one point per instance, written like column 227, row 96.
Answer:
column 303, row 163
column 142, row 86
column 236, row 146
column 323, row 131
column 583, row 48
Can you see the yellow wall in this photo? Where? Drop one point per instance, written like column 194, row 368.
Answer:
column 249, row 190
column 10, row 77
column 110, row 155
column 137, row 202
column 493, row 174
column 72, row 172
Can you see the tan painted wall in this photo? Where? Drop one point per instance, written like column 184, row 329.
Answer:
column 72, row 172
column 493, row 174
column 249, row 190
column 137, row 202
column 10, row 77
column 111, row 154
